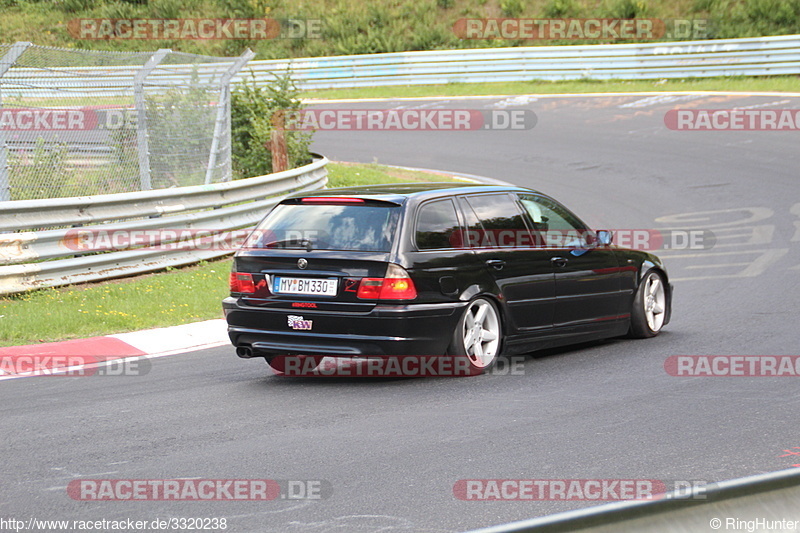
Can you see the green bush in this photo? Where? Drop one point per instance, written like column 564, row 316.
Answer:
column 511, row 8
column 248, row 8
column 40, row 174
column 560, row 8
column 626, row 9
column 252, row 110
column 359, row 27
column 171, row 9
column 752, row 18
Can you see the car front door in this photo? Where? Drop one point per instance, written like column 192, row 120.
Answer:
column 588, row 278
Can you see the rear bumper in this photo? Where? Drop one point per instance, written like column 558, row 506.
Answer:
column 386, row 330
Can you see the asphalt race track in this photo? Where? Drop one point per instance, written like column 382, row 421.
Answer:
column 391, row 450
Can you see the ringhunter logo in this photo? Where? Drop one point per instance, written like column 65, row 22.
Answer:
column 297, row 322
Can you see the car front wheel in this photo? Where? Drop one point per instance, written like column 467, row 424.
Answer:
column 649, row 307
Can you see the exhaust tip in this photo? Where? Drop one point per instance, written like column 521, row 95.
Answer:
column 244, row 351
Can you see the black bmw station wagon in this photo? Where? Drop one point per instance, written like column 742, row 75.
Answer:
column 467, row 272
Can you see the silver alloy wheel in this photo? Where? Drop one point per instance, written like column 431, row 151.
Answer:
column 655, row 299
column 481, row 333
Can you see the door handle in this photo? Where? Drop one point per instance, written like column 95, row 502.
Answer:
column 496, row 264
column 559, row 261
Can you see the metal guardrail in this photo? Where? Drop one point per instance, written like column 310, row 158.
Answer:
column 762, row 56
column 730, row 57
column 47, row 256
column 735, row 505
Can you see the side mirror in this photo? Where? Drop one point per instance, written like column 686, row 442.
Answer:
column 604, row 237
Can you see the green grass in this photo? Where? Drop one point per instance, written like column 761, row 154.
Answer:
column 737, row 84
column 154, row 300
column 349, row 174
column 358, row 27
column 168, row 298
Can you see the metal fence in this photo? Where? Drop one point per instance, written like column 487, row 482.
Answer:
column 80, row 122
column 764, row 56
column 47, row 243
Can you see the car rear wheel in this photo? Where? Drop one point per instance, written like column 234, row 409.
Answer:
column 297, row 365
column 478, row 337
column 649, row 307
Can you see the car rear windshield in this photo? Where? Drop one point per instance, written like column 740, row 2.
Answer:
column 368, row 227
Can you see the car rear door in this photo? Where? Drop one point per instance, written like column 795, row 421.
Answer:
column 499, row 236
column 441, row 264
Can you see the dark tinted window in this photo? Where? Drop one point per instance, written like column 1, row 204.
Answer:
column 496, row 220
column 437, row 226
column 328, row 227
column 547, row 214
column 553, row 224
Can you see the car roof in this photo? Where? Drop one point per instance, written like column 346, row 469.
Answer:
column 400, row 192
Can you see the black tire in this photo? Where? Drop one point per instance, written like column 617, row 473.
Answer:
column 476, row 346
column 649, row 306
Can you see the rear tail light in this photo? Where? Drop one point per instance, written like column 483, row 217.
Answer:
column 242, row 282
column 395, row 285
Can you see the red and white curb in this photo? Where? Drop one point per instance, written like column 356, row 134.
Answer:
column 58, row 357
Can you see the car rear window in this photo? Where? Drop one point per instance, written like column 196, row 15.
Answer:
column 497, row 220
column 437, row 224
column 358, row 227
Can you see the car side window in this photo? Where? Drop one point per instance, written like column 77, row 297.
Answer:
column 438, row 226
column 553, row 224
column 501, row 223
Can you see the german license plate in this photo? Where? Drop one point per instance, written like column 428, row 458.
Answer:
column 308, row 286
